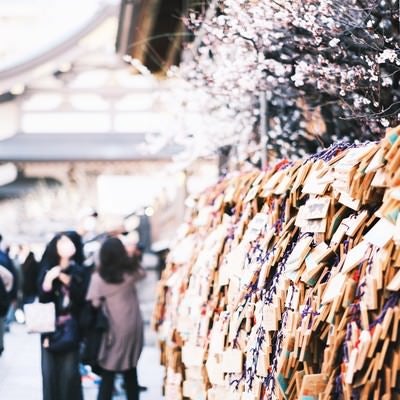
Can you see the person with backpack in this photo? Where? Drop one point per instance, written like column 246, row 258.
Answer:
column 6, row 284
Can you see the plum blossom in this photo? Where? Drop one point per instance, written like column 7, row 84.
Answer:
column 330, row 55
column 334, row 42
column 387, row 55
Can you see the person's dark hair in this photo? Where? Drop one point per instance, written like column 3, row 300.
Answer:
column 76, row 239
column 114, row 261
column 50, row 256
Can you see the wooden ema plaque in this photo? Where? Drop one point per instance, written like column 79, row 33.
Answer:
column 285, row 283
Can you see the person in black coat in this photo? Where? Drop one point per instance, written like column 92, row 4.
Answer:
column 63, row 281
column 7, row 263
column 30, row 272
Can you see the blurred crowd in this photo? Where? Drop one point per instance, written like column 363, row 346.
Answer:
column 77, row 271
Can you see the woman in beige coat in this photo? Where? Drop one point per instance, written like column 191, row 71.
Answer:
column 112, row 287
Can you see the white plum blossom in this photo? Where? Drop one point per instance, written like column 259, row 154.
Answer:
column 385, row 122
column 325, row 55
column 387, row 55
column 387, row 81
column 334, row 42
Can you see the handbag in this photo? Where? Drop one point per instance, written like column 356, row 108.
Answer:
column 65, row 338
column 95, row 324
column 40, row 317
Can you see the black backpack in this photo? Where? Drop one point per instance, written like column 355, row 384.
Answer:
column 94, row 324
column 5, row 299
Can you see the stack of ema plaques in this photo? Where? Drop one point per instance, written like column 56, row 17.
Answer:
column 284, row 284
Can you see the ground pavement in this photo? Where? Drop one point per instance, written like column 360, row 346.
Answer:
column 20, row 377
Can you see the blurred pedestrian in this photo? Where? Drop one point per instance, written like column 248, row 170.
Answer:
column 30, row 274
column 113, row 287
column 6, row 284
column 7, row 263
column 62, row 280
column 134, row 250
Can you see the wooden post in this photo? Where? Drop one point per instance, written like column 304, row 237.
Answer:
column 263, row 128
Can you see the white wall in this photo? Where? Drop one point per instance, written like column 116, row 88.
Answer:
column 8, row 119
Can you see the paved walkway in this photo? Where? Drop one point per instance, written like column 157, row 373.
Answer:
column 20, row 377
